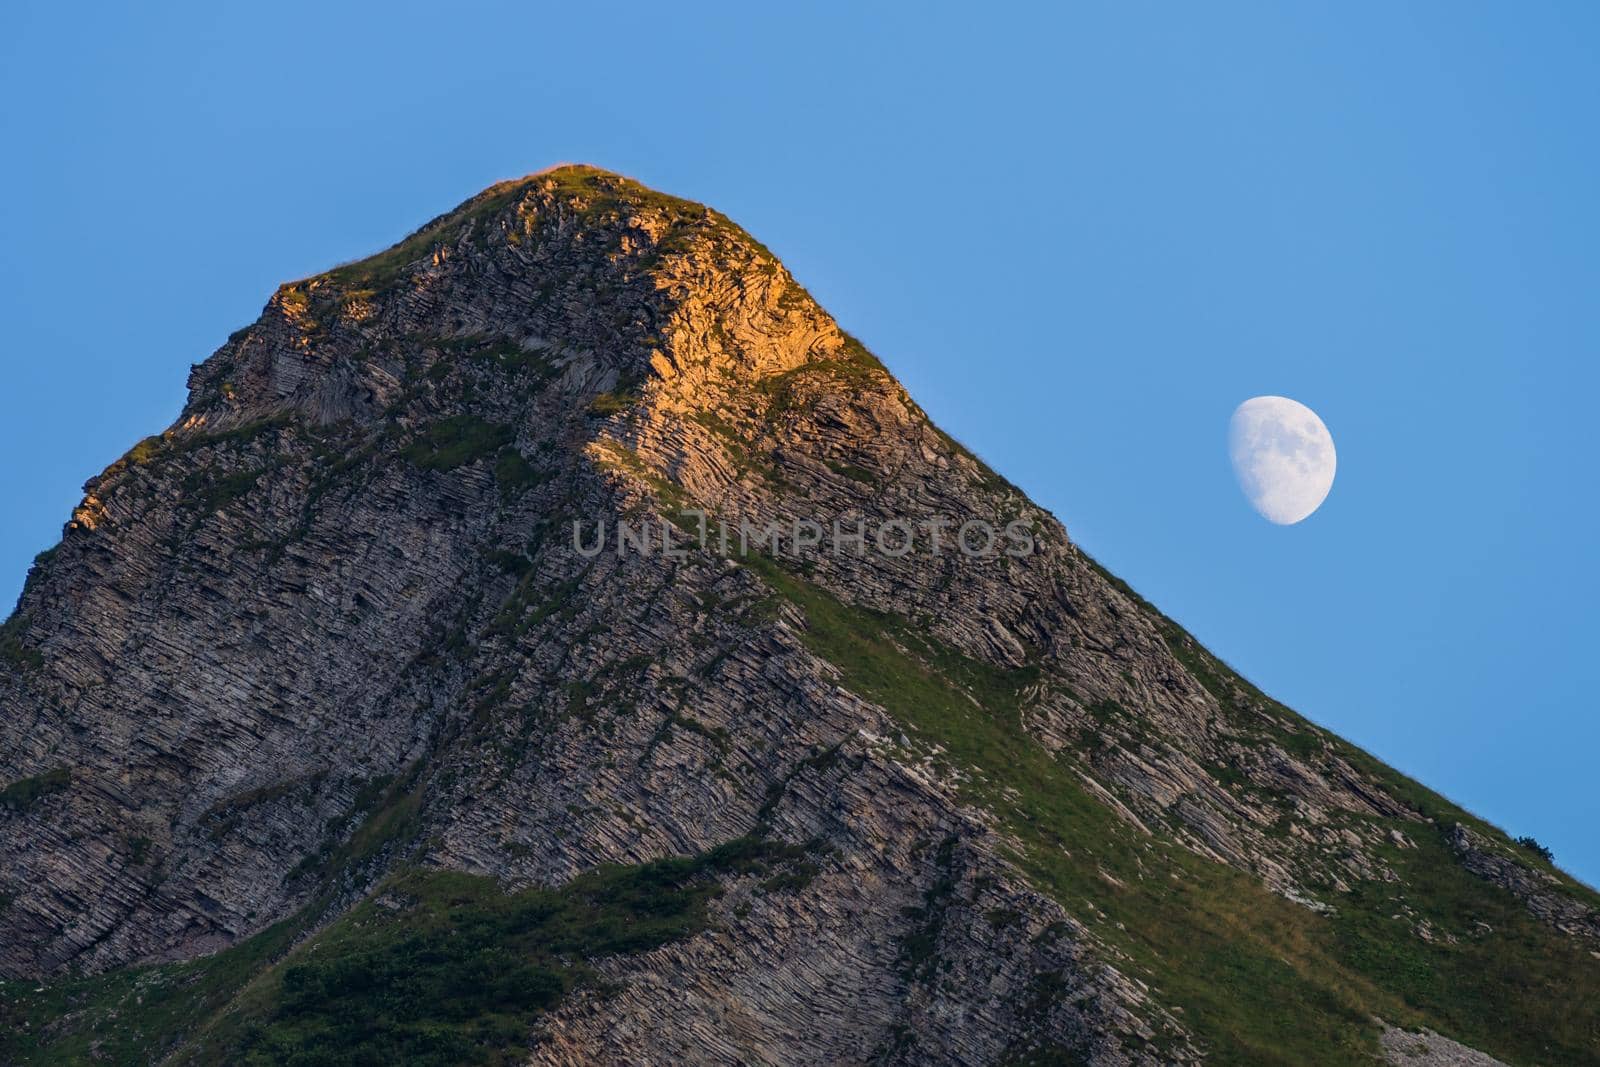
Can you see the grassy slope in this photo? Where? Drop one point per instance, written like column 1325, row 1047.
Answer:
column 442, row 968
column 435, row 969
column 1260, row 980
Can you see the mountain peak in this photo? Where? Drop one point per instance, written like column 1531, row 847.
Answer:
column 611, row 273
column 582, row 196
column 561, row 594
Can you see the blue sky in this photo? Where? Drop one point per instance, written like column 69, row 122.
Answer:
column 1081, row 234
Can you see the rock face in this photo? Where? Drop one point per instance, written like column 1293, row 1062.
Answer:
column 1428, row 1049
column 361, row 576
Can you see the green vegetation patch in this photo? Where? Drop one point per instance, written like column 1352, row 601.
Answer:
column 145, row 451
column 512, row 359
column 141, row 454
column 211, row 492
column 612, row 403
column 24, row 794
column 443, row 968
column 457, row 441
column 514, row 474
column 13, row 651
column 854, row 472
column 1508, row 984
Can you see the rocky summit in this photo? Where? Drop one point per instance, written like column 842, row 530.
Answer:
column 553, row 640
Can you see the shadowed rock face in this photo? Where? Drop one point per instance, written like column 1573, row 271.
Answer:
column 334, row 623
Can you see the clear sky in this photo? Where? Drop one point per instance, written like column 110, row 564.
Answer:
column 1080, row 234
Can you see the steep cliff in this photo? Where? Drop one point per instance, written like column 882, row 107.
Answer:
column 331, row 723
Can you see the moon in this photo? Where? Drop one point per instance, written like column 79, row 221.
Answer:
column 1283, row 456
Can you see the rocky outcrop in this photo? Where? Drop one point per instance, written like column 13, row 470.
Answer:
column 1425, row 1048
column 1545, row 895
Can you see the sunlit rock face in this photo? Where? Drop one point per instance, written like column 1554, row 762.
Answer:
column 334, row 624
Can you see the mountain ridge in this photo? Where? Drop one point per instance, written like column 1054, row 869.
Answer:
column 328, row 630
